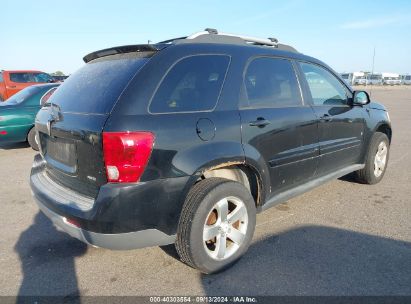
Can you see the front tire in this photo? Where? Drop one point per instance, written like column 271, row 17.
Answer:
column 376, row 160
column 216, row 225
column 31, row 138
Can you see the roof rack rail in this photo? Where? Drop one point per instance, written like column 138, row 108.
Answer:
column 248, row 39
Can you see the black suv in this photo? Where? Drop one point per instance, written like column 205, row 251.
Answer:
column 184, row 141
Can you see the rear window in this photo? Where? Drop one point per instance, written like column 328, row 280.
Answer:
column 95, row 87
column 22, row 95
column 193, row 84
column 30, row 77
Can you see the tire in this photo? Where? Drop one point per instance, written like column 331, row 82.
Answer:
column 376, row 160
column 201, row 213
column 31, row 138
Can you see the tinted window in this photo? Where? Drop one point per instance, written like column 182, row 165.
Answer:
column 192, row 84
column 325, row 88
column 271, row 82
column 30, row 77
column 96, row 86
column 1, row 77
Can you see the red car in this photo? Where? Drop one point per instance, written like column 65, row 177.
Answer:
column 12, row 82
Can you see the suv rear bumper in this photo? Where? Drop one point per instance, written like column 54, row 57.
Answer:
column 122, row 216
column 117, row 241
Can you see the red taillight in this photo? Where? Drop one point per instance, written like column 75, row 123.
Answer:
column 126, row 155
column 72, row 222
column 3, row 132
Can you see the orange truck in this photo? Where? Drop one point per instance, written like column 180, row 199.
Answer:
column 12, row 82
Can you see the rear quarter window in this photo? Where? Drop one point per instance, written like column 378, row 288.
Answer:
column 193, row 84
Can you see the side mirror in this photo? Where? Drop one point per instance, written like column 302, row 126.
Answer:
column 361, row 98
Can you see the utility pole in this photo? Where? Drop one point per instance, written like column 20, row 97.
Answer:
column 372, row 69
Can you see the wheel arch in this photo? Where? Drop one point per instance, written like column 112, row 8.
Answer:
column 246, row 167
column 28, row 132
column 385, row 128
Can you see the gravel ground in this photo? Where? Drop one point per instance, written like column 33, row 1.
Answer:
column 342, row 238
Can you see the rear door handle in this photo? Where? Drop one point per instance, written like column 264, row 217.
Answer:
column 260, row 122
column 326, row 117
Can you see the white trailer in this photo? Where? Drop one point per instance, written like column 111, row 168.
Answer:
column 359, row 78
column 406, row 79
column 354, row 78
column 374, row 79
column 347, row 77
column 391, row 79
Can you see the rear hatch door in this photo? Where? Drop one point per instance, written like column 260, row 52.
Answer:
column 70, row 125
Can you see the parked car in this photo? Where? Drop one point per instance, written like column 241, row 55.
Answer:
column 184, row 141
column 12, row 82
column 18, row 112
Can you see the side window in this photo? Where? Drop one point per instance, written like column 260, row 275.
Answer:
column 271, row 82
column 193, row 84
column 20, row 77
column 42, row 77
column 1, row 77
column 325, row 88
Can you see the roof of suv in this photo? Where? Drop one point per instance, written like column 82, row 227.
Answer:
column 208, row 36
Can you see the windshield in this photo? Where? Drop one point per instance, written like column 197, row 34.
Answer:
column 96, row 86
column 21, row 96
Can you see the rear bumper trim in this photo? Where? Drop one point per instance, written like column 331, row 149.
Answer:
column 61, row 194
column 120, row 241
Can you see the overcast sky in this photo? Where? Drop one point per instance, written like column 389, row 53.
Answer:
column 52, row 35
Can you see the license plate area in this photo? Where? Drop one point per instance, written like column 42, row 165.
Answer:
column 60, row 153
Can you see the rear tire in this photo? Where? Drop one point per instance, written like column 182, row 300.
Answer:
column 216, row 225
column 31, row 138
column 376, row 160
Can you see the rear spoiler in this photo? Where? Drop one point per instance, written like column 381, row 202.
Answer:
column 125, row 49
